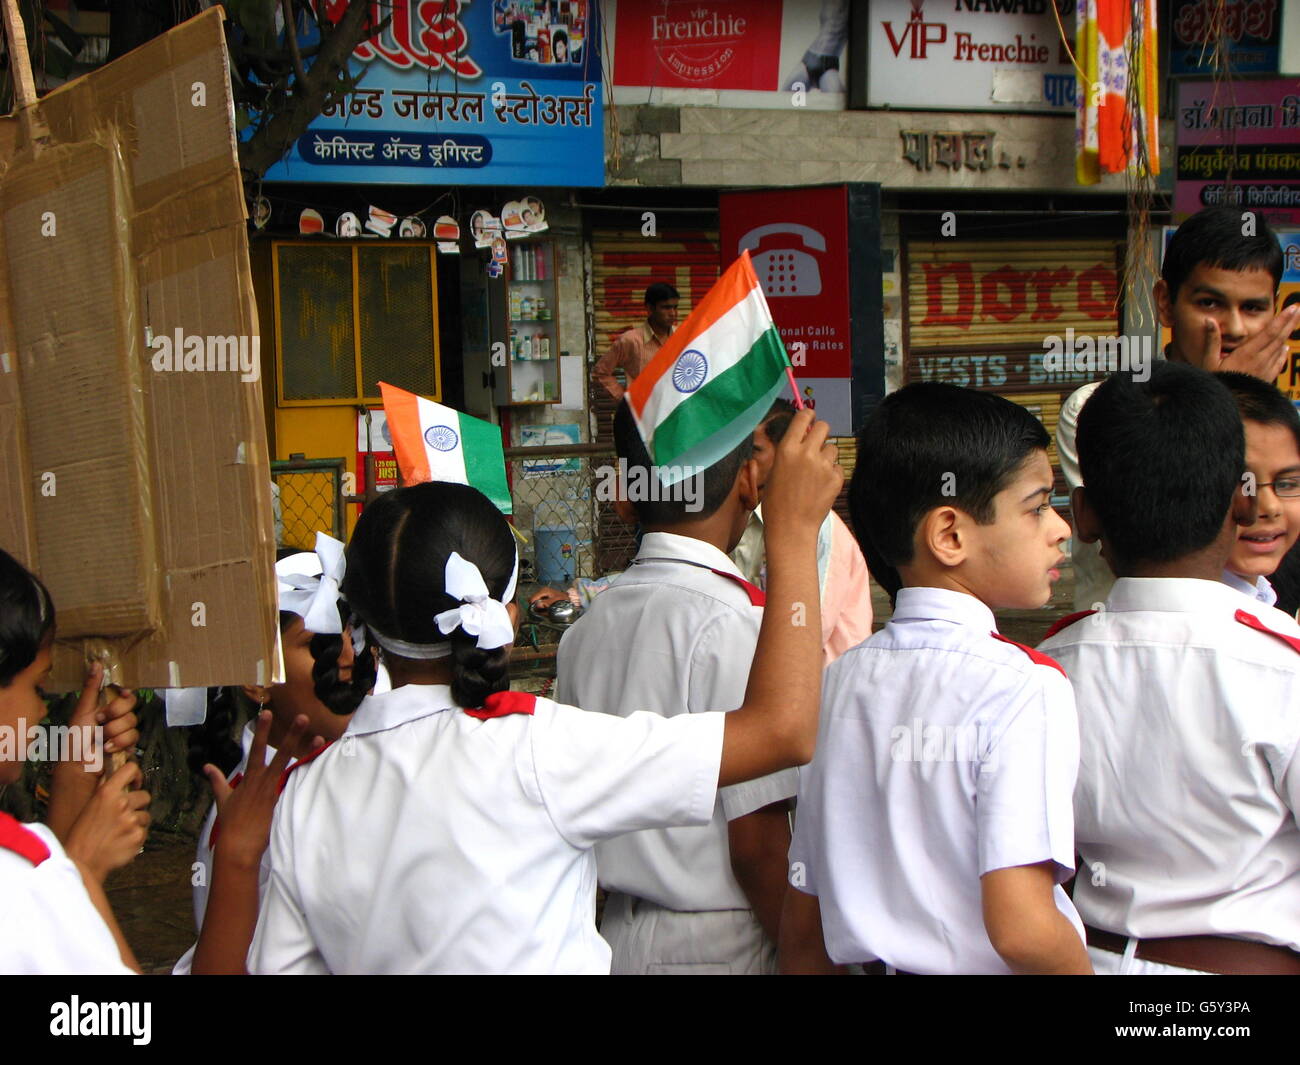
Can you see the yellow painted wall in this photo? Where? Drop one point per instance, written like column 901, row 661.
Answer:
column 319, row 433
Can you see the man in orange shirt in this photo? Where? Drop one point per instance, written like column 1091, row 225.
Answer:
column 635, row 348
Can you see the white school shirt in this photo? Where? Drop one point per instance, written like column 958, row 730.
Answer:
column 48, row 925
column 943, row 753
column 203, row 854
column 675, row 639
column 429, row 841
column 1092, row 574
column 1260, row 589
column 1188, row 778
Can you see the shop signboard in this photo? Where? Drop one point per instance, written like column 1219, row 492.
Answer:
column 1239, row 147
column 465, row 92
column 968, row 55
column 1247, row 32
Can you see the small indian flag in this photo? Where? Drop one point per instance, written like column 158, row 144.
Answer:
column 437, row 443
column 709, row 386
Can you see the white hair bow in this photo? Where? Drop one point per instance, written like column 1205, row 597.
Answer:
column 309, row 585
column 479, row 614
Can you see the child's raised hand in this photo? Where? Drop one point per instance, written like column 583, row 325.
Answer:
column 806, row 476
column 113, row 825
column 121, row 725
column 245, row 812
column 1264, row 355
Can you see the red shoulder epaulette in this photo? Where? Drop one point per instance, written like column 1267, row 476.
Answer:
column 284, row 777
column 1253, row 622
column 25, row 843
column 500, row 704
column 1067, row 621
column 757, row 597
column 1034, row 656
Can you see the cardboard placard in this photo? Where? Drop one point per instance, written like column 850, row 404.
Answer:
column 126, row 297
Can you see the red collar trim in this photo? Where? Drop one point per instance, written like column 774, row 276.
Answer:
column 16, row 837
column 284, row 777
column 1067, row 621
column 1034, row 656
column 1250, row 621
column 502, row 704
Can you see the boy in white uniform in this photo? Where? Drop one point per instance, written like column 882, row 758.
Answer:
column 1185, row 810
column 934, row 829
column 1216, row 294
column 675, row 634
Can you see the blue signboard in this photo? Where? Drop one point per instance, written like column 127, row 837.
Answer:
column 465, row 92
column 1248, row 31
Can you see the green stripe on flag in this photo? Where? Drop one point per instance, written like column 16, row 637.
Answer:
column 725, row 404
column 485, row 461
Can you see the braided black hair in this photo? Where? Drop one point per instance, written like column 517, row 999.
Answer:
column 340, row 696
column 396, row 563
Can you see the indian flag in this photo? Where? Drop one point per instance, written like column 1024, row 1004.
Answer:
column 709, row 386
column 437, row 443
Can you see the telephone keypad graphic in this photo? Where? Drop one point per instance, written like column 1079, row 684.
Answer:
column 784, row 270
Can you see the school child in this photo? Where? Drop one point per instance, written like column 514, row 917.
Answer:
column 1273, row 465
column 302, row 593
column 54, row 916
column 845, row 582
column 675, row 635
column 1189, row 781
column 933, row 829
column 1216, row 293
column 451, row 829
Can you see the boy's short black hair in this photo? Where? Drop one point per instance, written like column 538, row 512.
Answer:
column 777, row 420
column 710, row 491
column 659, row 292
column 930, row 445
column 1160, row 460
column 1213, row 236
column 1260, row 401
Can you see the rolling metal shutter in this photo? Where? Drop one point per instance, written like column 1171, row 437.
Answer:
column 978, row 312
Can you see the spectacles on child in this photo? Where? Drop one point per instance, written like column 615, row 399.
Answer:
column 1283, row 487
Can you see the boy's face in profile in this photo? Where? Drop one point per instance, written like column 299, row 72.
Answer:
column 1240, row 301
column 1272, row 455
column 1012, row 562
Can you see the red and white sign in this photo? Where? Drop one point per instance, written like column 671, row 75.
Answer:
column 1003, row 55
column 698, row 44
column 798, row 241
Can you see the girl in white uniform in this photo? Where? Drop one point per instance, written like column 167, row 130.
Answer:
column 54, row 917
column 451, row 830
column 308, row 590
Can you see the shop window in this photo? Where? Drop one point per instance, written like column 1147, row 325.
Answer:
column 351, row 315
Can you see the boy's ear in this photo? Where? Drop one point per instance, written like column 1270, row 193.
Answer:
column 942, row 535
column 1087, row 527
column 1164, row 304
column 747, row 483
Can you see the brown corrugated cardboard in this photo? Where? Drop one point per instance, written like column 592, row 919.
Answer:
column 124, row 237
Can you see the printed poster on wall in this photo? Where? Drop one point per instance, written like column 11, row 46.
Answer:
column 762, row 50
column 380, row 445
column 798, row 241
column 465, row 92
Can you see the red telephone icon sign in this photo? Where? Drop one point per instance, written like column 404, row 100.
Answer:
column 785, row 271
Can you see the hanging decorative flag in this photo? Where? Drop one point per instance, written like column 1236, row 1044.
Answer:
column 1117, row 106
column 710, row 384
column 437, row 443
